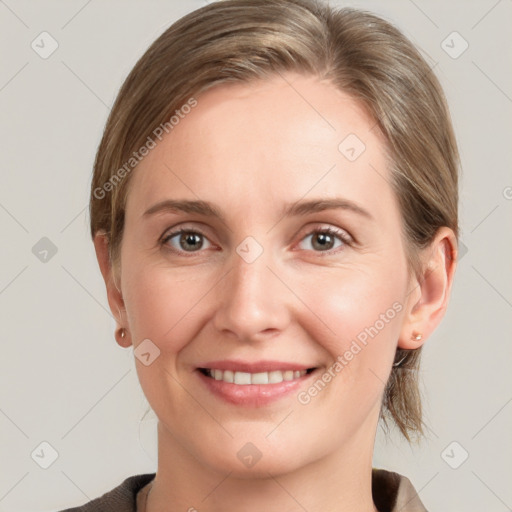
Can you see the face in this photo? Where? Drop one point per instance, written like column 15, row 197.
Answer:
column 274, row 293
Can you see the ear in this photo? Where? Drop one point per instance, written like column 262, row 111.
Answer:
column 428, row 296
column 114, row 294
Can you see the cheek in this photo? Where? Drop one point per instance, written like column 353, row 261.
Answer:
column 162, row 304
column 364, row 319
column 357, row 313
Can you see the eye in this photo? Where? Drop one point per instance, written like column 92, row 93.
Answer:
column 326, row 240
column 185, row 240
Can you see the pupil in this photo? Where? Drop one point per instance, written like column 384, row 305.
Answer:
column 191, row 239
column 324, row 240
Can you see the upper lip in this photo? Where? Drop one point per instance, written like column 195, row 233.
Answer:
column 254, row 367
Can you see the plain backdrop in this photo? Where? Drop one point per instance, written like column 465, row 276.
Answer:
column 71, row 408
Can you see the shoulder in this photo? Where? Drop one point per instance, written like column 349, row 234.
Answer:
column 394, row 492
column 120, row 499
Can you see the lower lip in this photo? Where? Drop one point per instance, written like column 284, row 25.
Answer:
column 253, row 395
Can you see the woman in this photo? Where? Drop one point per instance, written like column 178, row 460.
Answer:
column 308, row 155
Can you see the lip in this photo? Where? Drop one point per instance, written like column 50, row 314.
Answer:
column 254, row 395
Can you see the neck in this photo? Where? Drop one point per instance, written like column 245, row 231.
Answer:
column 339, row 482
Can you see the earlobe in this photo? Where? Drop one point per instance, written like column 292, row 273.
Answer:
column 428, row 298
column 114, row 294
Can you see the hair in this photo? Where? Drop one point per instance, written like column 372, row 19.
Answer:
column 361, row 54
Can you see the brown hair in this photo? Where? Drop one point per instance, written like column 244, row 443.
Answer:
column 360, row 53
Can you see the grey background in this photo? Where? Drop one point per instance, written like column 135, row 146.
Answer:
column 65, row 381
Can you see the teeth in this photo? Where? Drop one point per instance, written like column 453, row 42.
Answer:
column 228, row 376
column 275, row 377
column 241, row 377
column 288, row 375
column 245, row 378
column 259, row 378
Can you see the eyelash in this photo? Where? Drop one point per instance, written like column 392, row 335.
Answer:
column 342, row 236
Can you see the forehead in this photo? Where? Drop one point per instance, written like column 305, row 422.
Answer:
column 280, row 137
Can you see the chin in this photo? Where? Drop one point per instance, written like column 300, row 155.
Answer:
column 262, row 469
column 247, row 460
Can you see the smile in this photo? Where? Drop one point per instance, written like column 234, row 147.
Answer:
column 254, row 384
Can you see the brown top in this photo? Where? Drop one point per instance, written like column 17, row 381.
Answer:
column 391, row 493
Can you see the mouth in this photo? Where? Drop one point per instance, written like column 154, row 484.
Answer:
column 241, row 378
column 254, row 384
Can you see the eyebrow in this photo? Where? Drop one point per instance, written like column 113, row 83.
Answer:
column 299, row 208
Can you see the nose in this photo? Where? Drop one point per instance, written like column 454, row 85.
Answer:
column 252, row 300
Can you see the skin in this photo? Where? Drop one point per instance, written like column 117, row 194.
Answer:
column 250, row 149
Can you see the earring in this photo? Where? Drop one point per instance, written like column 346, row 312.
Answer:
column 120, row 334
